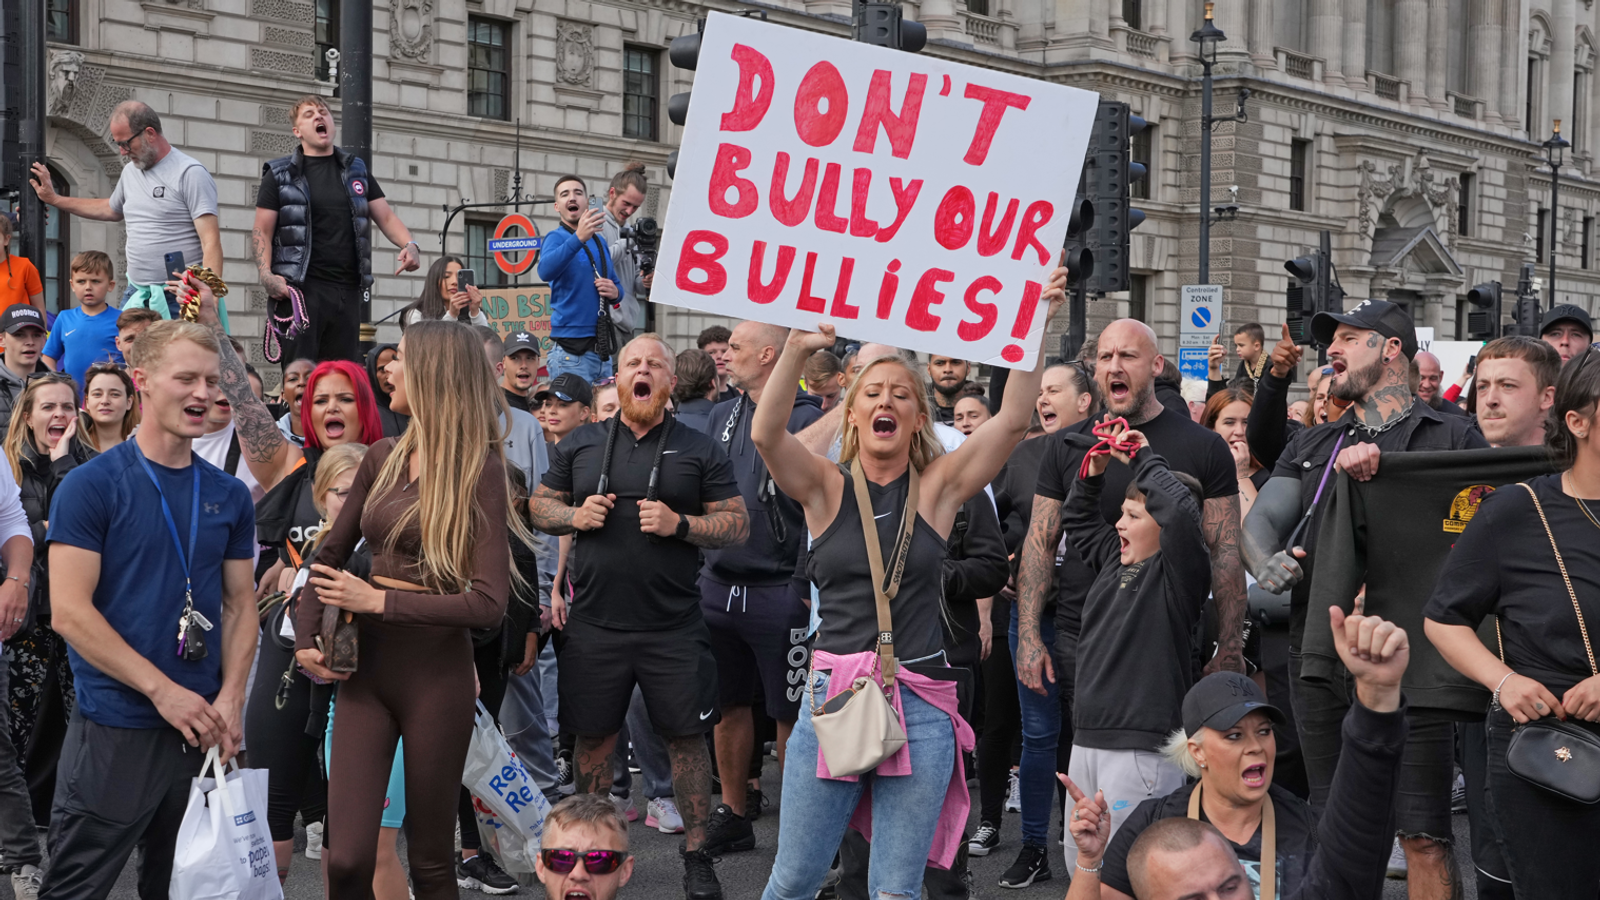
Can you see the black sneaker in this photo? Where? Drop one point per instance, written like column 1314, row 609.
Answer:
column 984, row 840
column 699, row 878
column 754, row 802
column 728, row 833
column 566, row 782
column 480, row 873
column 1033, row 864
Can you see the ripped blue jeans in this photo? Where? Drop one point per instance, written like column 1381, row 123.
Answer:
column 816, row 811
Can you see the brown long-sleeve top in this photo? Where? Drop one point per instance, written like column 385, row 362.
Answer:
column 480, row 607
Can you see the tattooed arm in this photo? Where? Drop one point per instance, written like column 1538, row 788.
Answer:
column 552, row 511
column 1220, row 520
column 261, row 242
column 724, row 524
column 268, row 454
column 1035, row 578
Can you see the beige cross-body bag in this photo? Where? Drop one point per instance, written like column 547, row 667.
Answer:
column 858, row 728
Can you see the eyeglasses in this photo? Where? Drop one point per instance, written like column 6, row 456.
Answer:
column 127, row 145
column 52, row 378
column 595, row 862
column 605, row 382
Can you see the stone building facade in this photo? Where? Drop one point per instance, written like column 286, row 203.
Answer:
column 1408, row 128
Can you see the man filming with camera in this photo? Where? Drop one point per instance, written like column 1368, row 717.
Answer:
column 633, row 250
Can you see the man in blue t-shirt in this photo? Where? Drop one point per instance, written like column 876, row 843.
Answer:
column 143, row 538
column 577, row 265
column 87, row 333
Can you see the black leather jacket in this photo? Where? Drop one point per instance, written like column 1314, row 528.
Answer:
column 291, row 240
column 41, row 475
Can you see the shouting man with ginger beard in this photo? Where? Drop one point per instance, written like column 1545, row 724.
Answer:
column 640, row 493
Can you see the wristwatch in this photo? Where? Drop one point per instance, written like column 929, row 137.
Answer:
column 682, row 531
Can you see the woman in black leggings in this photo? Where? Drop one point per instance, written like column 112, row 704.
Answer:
column 434, row 506
column 282, row 717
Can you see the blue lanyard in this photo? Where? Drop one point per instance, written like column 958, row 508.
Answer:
column 172, row 526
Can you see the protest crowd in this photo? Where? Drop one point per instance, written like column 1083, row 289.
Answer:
column 1201, row 638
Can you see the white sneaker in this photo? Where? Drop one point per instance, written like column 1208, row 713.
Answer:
column 625, row 807
column 1014, row 793
column 25, row 882
column 662, row 815
column 314, row 840
column 1397, row 861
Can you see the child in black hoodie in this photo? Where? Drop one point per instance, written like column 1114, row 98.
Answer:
column 1134, row 661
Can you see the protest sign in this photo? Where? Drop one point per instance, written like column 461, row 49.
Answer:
column 902, row 198
column 521, row 309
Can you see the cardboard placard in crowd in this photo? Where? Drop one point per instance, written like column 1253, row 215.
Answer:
column 520, row 309
column 905, row 199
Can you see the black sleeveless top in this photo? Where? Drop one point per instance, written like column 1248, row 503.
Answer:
column 286, row 515
column 846, row 601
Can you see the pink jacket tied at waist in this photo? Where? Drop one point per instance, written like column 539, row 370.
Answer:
column 844, row 670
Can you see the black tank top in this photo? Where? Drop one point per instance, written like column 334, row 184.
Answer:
column 846, row 601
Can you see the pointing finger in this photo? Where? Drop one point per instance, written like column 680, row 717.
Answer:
column 1072, row 789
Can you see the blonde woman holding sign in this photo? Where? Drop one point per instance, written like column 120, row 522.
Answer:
column 880, row 637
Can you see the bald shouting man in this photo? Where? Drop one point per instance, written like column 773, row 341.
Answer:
column 1127, row 363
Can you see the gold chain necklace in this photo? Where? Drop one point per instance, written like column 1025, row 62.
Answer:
column 1582, row 505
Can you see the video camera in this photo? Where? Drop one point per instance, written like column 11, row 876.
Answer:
column 646, row 238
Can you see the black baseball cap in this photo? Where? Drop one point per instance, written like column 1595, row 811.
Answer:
column 1381, row 316
column 19, row 316
column 520, row 341
column 568, row 388
column 1221, row 699
column 1566, row 312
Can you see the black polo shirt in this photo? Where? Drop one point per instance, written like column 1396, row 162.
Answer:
column 1306, row 457
column 617, row 577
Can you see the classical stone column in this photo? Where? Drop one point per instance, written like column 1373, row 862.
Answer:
column 1513, row 60
column 1438, row 51
column 1410, row 50
column 1483, row 57
column 1563, row 50
column 1261, row 36
column 1327, row 37
column 1355, row 43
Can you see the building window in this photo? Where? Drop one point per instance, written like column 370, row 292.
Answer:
column 478, row 258
column 326, row 35
column 1579, row 132
column 1530, row 108
column 1539, row 229
column 488, row 68
column 978, row 7
column 54, row 273
column 61, row 21
column 1139, row 150
column 641, row 93
column 1299, row 157
column 1138, row 297
column 1587, row 239
column 1464, row 208
column 1133, row 14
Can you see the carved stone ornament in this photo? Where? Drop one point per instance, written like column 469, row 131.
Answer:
column 65, row 67
column 574, row 53
column 411, row 29
column 1412, row 178
column 1375, row 190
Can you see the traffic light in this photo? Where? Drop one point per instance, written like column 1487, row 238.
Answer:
column 1527, row 312
column 684, row 51
column 1108, row 170
column 1312, row 289
column 884, row 25
column 1079, row 258
column 13, row 176
column 1483, row 316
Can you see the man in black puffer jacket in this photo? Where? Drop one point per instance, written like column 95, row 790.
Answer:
column 314, row 216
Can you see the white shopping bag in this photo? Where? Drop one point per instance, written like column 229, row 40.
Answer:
column 224, row 848
column 510, row 808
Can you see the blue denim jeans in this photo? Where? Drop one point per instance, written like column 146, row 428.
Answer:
column 1041, row 732
column 816, row 811
column 589, row 366
column 522, row 718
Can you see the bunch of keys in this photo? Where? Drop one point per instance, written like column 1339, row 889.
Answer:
column 192, row 628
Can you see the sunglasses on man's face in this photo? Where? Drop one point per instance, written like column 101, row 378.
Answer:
column 595, row 862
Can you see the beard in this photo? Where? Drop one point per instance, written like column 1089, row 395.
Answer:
column 636, row 410
column 1358, row 382
column 949, row 392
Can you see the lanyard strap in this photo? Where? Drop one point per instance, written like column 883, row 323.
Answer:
column 584, row 246
column 172, row 526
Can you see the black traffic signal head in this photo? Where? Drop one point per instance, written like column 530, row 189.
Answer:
column 1108, row 171
column 1303, row 299
column 684, row 51
column 1483, row 316
column 1079, row 258
column 1303, row 268
column 884, row 25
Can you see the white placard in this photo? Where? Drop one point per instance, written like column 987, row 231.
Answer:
column 902, row 198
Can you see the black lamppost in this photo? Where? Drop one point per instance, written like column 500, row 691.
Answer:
column 1553, row 150
column 1208, row 37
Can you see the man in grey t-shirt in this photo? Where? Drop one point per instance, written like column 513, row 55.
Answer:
column 166, row 197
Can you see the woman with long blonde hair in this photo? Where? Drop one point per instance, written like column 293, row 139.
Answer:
column 434, row 505
column 891, row 458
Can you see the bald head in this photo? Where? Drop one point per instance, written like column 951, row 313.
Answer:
column 1126, row 366
column 753, row 351
column 661, row 350
column 1181, row 858
column 1430, row 377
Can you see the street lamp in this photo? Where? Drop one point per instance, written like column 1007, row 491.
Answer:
column 1208, row 37
column 1553, row 150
